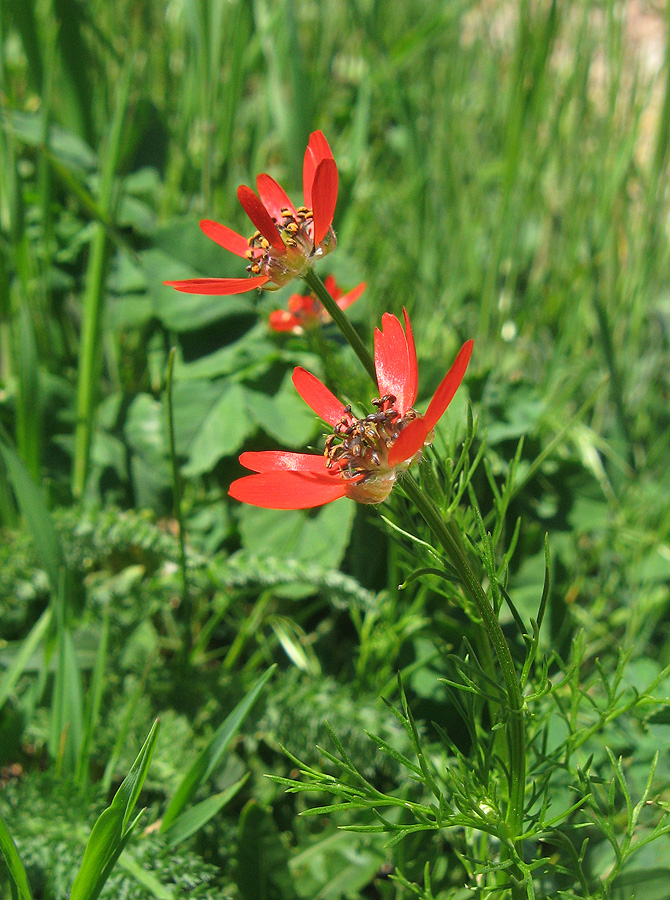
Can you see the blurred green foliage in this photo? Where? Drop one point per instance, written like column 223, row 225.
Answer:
column 504, row 175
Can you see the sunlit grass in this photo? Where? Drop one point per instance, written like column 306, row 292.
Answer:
column 503, row 174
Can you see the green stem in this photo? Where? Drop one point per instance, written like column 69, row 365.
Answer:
column 340, row 319
column 448, row 536
column 90, row 358
column 177, row 510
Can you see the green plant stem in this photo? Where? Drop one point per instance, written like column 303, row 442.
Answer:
column 90, row 359
column 177, row 510
column 340, row 319
column 450, row 540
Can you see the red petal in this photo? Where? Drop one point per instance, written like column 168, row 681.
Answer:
column 324, row 198
column 317, row 150
column 410, row 441
column 273, row 195
column 218, row 286
column 287, row 490
column 317, row 396
column 392, row 363
column 301, row 305
column 353, row 295
column 260, row 216
column 231, row 240
column 281, row 460
column 448, row 386
column 332, row 287
column 413, row 381
column 283, row 320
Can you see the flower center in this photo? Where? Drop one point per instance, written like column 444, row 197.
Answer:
column 297, row 233
column 360, row 447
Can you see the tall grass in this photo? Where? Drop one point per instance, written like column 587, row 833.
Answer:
column 504, row 176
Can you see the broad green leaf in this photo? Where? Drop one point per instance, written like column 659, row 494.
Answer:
column 113, row 828
column 210, row 756
column 284, row 417
column 145, row 433
column 16, row 870
column 222, row 432
column 250, row 351
column 66, row 146
column 182, row 251
column 319, row 536
column 193, row 819
column 192, row 403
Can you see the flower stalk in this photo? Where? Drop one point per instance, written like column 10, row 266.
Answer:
column 449, row 539
column 340, row 318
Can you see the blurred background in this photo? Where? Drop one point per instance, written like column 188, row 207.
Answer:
column 503, row 175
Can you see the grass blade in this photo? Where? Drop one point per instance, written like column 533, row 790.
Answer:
column 90, row 349
column 28, row 411
column 94, row 700
column 194, row 819
column 113, row 828
column 34, row 510
column 66, row 710
column 16, row 870
column 28, row 646
column 210, row 756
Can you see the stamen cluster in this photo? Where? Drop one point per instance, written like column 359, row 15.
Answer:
column 297, row 233
column 358, row 448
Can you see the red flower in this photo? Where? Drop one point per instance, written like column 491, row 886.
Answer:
column 287, row 240
column 363, row 457
column 307, row 312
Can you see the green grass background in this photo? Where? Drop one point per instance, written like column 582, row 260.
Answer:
column 504, row 175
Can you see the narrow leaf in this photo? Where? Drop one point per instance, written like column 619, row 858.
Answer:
column 111, row 832
column 210, row 756
column 16, row 870
column 33, row 507
column 194, row 819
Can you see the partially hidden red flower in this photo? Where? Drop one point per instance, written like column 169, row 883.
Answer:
column 304, row 312
column 363, row 458
column 288, row 239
